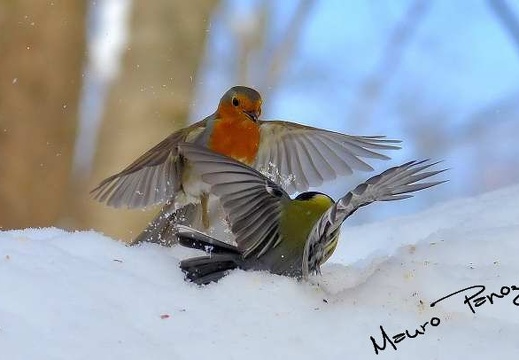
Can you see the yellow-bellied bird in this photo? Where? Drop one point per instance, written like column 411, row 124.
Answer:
column 273, row 232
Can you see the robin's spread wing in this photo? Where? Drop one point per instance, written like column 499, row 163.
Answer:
column 152, row 178
column 299, row 157
column 252, row 202
column 396, row 183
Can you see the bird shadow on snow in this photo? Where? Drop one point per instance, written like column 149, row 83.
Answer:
column 337, row 280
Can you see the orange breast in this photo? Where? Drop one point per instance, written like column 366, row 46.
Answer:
column 236, row 137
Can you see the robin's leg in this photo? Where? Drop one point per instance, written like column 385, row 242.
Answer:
column 204, row 200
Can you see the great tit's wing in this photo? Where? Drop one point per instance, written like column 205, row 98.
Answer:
column 299, row 157
column 252, row 202
column 151, row 179
column 396, row 183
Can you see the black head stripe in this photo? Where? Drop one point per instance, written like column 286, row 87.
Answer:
column 309, row 195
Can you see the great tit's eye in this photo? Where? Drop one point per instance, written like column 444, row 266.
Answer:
column 235, row 101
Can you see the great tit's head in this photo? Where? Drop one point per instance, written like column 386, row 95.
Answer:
column 316, row 197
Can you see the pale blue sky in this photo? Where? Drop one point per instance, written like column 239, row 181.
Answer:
column 457, row 63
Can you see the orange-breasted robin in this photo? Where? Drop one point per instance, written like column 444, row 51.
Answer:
column 293, row 155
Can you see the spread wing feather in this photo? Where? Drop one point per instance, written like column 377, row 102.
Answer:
column 299, row 157
column 396, row 183
column 152, row 178
column 252, row 202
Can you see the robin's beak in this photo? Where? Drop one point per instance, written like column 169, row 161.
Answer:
column 254, row 115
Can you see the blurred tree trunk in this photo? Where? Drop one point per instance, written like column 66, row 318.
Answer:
column 150, row 99
column 41, row 53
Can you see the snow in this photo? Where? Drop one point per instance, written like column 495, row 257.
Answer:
column 82, row 295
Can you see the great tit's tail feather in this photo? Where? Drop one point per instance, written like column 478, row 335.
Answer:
column 203, row 270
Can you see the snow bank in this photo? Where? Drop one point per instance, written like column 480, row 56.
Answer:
column 85, row 296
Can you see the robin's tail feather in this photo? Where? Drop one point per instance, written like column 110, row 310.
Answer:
column 209, row 268
column 161, row 230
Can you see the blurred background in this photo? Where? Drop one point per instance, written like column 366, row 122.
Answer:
column 88, row 86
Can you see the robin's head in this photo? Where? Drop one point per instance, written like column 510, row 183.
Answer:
column 243, row 100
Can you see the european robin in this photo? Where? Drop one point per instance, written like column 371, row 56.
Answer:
column 293, row 155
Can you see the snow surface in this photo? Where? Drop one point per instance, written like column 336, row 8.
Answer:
column 82, row 295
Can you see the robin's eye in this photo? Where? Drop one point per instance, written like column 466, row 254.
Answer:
column 235, row 101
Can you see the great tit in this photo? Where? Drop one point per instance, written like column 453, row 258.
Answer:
column 273, row 232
